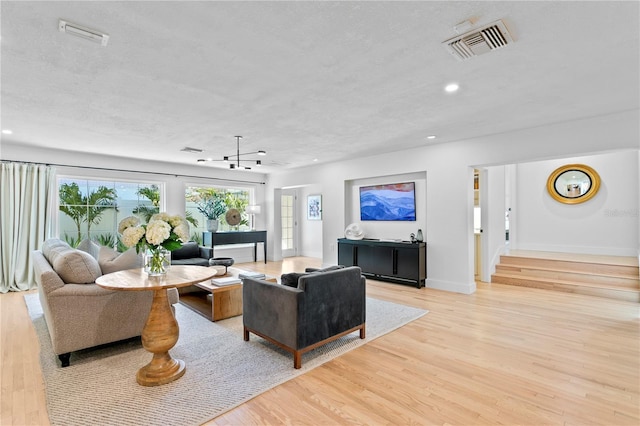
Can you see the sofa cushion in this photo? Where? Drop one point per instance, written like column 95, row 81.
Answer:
column 89, row 246
column 113, row 261
column 53, row 246
column 188, row 250
column 291, row 279
column 75, row 266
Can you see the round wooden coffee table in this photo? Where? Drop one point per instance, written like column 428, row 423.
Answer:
column 161, row 330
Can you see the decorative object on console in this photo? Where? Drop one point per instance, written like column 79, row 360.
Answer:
column 314, row 207
column 233, row 217
column 253, row 210
column 222, row 261
column 354, row 232
column 212, row 206
column 163, row 234
column 419, row 236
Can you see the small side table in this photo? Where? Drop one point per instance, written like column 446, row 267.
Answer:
column 161, row 330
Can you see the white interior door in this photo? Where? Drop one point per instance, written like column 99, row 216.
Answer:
column 289, row 222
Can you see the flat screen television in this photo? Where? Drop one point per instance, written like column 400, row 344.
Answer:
column 391, row 202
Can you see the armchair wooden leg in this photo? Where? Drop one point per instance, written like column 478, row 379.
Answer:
column 362, row 331
column 246, row 334
column 297, row 359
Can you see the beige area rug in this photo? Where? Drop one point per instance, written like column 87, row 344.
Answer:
column 223, row 371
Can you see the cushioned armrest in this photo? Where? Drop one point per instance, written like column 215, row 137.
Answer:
column 272, row 309
column 206, row 252
column 45, row 276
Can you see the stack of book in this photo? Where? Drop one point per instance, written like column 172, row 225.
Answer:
column 254, row 275
column 225, row 281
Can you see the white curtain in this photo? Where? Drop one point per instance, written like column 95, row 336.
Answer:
column 27, row 201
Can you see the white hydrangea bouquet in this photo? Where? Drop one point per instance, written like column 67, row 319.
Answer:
column 163, row 234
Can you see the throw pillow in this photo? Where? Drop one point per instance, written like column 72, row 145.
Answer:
column 53, row 246
column 291, row 279
column 89, row 246
column 77, row 267
column 113, row 261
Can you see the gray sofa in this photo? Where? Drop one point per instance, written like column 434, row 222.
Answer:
column 323, row 306
column 80, row 314
column 191, row 254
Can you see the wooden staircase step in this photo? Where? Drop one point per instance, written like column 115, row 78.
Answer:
column 614, row 277
column 569, row 275
column 601, row 290
column 614, row 270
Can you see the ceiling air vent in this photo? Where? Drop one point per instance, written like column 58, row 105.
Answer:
column 479, row 41
column 192, row 150
column 83, row 32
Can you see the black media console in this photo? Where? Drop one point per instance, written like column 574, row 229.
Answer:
column 394, row 261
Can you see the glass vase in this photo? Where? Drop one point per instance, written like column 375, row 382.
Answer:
column 157, row 261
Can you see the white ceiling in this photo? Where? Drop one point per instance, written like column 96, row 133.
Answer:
column 303, row 80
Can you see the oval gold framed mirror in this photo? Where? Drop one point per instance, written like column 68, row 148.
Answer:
column 573, row 184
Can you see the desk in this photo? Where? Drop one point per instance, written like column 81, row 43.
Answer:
column 161, row 330
column 211, row 239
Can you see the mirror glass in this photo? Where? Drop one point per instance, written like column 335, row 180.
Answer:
column 573, row 183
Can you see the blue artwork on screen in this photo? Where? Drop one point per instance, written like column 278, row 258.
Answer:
column 388, row 202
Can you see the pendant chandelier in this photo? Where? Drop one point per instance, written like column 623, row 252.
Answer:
column 234, row 160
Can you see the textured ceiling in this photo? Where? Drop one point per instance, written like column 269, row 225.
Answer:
column 303, row 80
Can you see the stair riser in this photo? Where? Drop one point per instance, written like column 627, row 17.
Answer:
column 629, row 296
column 594, row 268
column 570, row 276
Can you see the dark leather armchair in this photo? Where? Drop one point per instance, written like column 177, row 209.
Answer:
column 323, row 307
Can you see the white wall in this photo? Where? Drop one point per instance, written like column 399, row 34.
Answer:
column 606, row 224
column 493, row 202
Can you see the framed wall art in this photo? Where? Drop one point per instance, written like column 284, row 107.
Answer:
column 314, row 207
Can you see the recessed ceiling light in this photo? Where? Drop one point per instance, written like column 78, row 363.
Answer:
column 7, row 132
column 451, row 87
column 431, row 137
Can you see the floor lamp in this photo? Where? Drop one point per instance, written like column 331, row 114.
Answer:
column 253, row 210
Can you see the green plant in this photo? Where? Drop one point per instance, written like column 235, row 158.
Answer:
column 73, row 242
column 192, row 220
column 197, row 237
column 121, row 247
column 212, row 205
column 89, row 208
column 152, row 193
column 107, row 240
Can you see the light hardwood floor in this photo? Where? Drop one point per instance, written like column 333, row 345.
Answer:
column 503, row 355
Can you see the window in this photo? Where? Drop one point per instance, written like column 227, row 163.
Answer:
column 232, row 198
column 93, row 208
